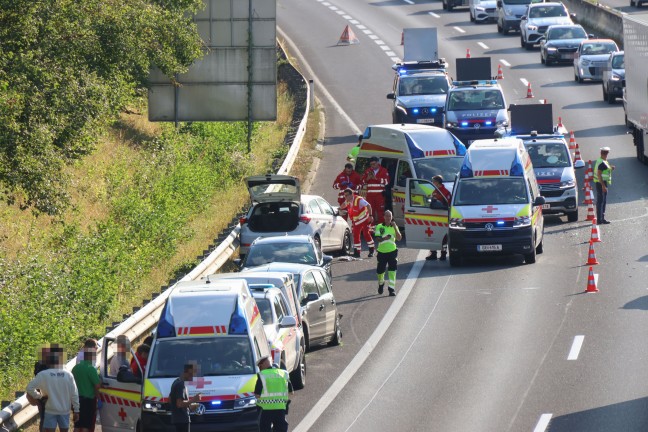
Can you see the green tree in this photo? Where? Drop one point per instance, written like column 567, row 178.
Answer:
column 67, row 68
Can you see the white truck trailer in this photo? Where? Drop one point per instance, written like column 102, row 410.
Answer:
column 635, row 39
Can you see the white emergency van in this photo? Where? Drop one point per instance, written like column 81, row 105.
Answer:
column 496, row 205
column 410, row 151
column 215, row 324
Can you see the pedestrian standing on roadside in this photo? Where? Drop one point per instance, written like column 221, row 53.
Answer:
column 41, row 365
column 271, row 391
column 89, row 343
column 602, row 179
column 88, row 384
column 180, row 401
column 348, row 178
column 58, row 385
column 441, row 195
column 387, row 234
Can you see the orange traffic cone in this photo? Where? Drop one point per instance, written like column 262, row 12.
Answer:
column 590, row 212
column 591, row 281
column 348, row 37
column 402, row 38
column 595, row 238
column 577, row 155
column 560, row 125
column 529, row 92
column 588, row 195
column 467, row 52
column 500, row 73
column 591, row 255
column 572, row 139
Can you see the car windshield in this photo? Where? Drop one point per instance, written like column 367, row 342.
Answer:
column 566, row 33
column 484, row 191
column 288, row 252
column 617, row 62
column 547, row 12
column 598, row 48
column 548, row 155
column 265, row 310
column 448, row 167
column 422, row 85
column 222, row 355
column 475, row 99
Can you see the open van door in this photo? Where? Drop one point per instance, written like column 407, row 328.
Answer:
column 119, row 402
column 426, row 219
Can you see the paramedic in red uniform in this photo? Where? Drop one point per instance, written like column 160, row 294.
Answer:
column 347, row 179
column 360, row 215
column 377, row 179
column 444, row 196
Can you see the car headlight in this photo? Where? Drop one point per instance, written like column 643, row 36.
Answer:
column 451, row 124
column 153, row 406
column 456, row 223
column 532, row 27
column 568, row 184
column 401, row 108
column 522, row 221
column 242, row 403
column 616, row 77
column 551, row 49
column 585, row 62
column 502, row 123
column 508, row 11
column 479, row 8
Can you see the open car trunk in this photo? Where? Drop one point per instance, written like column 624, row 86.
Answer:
column 274, row 217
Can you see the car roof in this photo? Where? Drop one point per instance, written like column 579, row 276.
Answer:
column 293, row 238
column 532, row 5
column 543, row 140
column 284, row 267
column 419, row 72
column 597, row 41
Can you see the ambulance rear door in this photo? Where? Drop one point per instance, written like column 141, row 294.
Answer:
column 426, row 220
column 119, row 402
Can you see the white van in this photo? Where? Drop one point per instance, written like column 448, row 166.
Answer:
column 496, row 205
column 216, row 324
column 410, row 151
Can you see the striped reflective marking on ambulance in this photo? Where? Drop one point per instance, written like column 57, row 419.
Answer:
column 120, row 397
column 414, row 219
column 201, row 330
column 491, row 173
column 255, row 315
column 441, row 153
column 375, row 148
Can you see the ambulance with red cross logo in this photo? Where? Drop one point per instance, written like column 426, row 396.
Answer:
column 410, row 151
column 496, row 205
column 215, row 325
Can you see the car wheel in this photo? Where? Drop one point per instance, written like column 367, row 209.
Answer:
column 454, row 260
column 500, row 30
column 318, row 242
column 522, row 43
column 306, row 338
column 450, row 7
column 347, row 244
column 573, row 216
column 605, row 95
column 337, row 333
column 540, row 247
column 298, row 376
column 611, row 99
column 530, row 258
column 542, row 59
column 445, row 5
column 529, row 46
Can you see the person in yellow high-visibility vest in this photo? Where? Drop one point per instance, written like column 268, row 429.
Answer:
column 271, row 392
column 602, row 180
column 387, row 234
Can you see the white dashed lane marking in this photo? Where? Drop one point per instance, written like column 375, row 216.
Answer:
column 409, row 2
column 525, row 82
column 505, row 63
column 576, row 347
column 543, row 423
column 483, row 45
column 459, row 29
column 434, row 15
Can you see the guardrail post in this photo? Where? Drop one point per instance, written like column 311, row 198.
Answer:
column 311, row 94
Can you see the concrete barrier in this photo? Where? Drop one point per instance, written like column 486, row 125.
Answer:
column 598, row 19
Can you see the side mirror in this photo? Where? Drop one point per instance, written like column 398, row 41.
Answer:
column 591, row 36
column 336, row 211
column 310, row 297
column 572, row 15
column 237, row 262
column 540, row 200
column 542, row 39
column 391, row 96
column 580, row 163
column 523, row 18
column 327, row 259
column 499, row 3
column 288, row 322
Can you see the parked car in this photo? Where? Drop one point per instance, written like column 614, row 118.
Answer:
column 296, row 249
column 287, row 348
column 614, row 77
column 560, row 43
column 482, row 10
column 320, row 318
column 278, row 208
column 538, row 18
column 591, row 58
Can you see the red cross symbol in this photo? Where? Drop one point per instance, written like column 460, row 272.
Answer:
column 122, row 414
column 429, row 231
column 489, row 209
column 199, row 382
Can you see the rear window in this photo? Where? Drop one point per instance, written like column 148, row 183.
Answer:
column 264, row 309
column 266, row 253
column 448, row 167
column 485, row 191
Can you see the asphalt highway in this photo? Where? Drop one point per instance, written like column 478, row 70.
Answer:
column 494, row 345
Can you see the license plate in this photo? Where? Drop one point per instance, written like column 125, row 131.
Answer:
column 489, row 248
column 567, row 56
column 546, row 206
column 425, row 120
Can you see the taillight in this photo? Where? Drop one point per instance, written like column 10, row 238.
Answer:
column 305, row 219
column 243, row 220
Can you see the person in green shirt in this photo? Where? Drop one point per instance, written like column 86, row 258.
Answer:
column 87, row 381
column 387, row 234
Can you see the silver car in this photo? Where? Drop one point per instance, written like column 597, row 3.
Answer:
column 279, row 208
column 591, row 58
column 482, row 10
column 614, row 77
column 538, row 18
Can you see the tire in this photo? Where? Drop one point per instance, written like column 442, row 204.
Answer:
column 318, row 242
column 298, row 376
column 454, row 260
column 530, row 258
column 605, row 94
column 472, row 18
column 337, row 333
column 572, row 217
column 445, row 5
column 522, row 43
column 450, row 7
column 306, row 338
column 540, row 247
column 529, row 46
column 542, row 59
column 639, row 143
column 611, row 99
column 347, row 244
column 500, row 30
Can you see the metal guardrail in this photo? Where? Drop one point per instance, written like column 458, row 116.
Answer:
column 20, row 412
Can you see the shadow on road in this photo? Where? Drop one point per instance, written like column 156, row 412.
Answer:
column 640, row 303
column 628, row 416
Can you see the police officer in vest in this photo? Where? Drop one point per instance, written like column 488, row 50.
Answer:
column 387, row 234
column 271, row 392
column 602, row 179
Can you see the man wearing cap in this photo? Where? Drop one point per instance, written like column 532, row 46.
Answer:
column 602, row 179
column 348, row 178
column 376, row 178
column 271, row 392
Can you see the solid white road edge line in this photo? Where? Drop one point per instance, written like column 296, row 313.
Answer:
column 543, row 423
column 366, row 350
column 576, row 347
column 320, row 87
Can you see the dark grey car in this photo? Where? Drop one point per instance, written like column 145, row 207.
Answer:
column 614, row 77
column 560, row 43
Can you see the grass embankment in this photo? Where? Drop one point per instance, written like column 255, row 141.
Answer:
column 146, row 203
